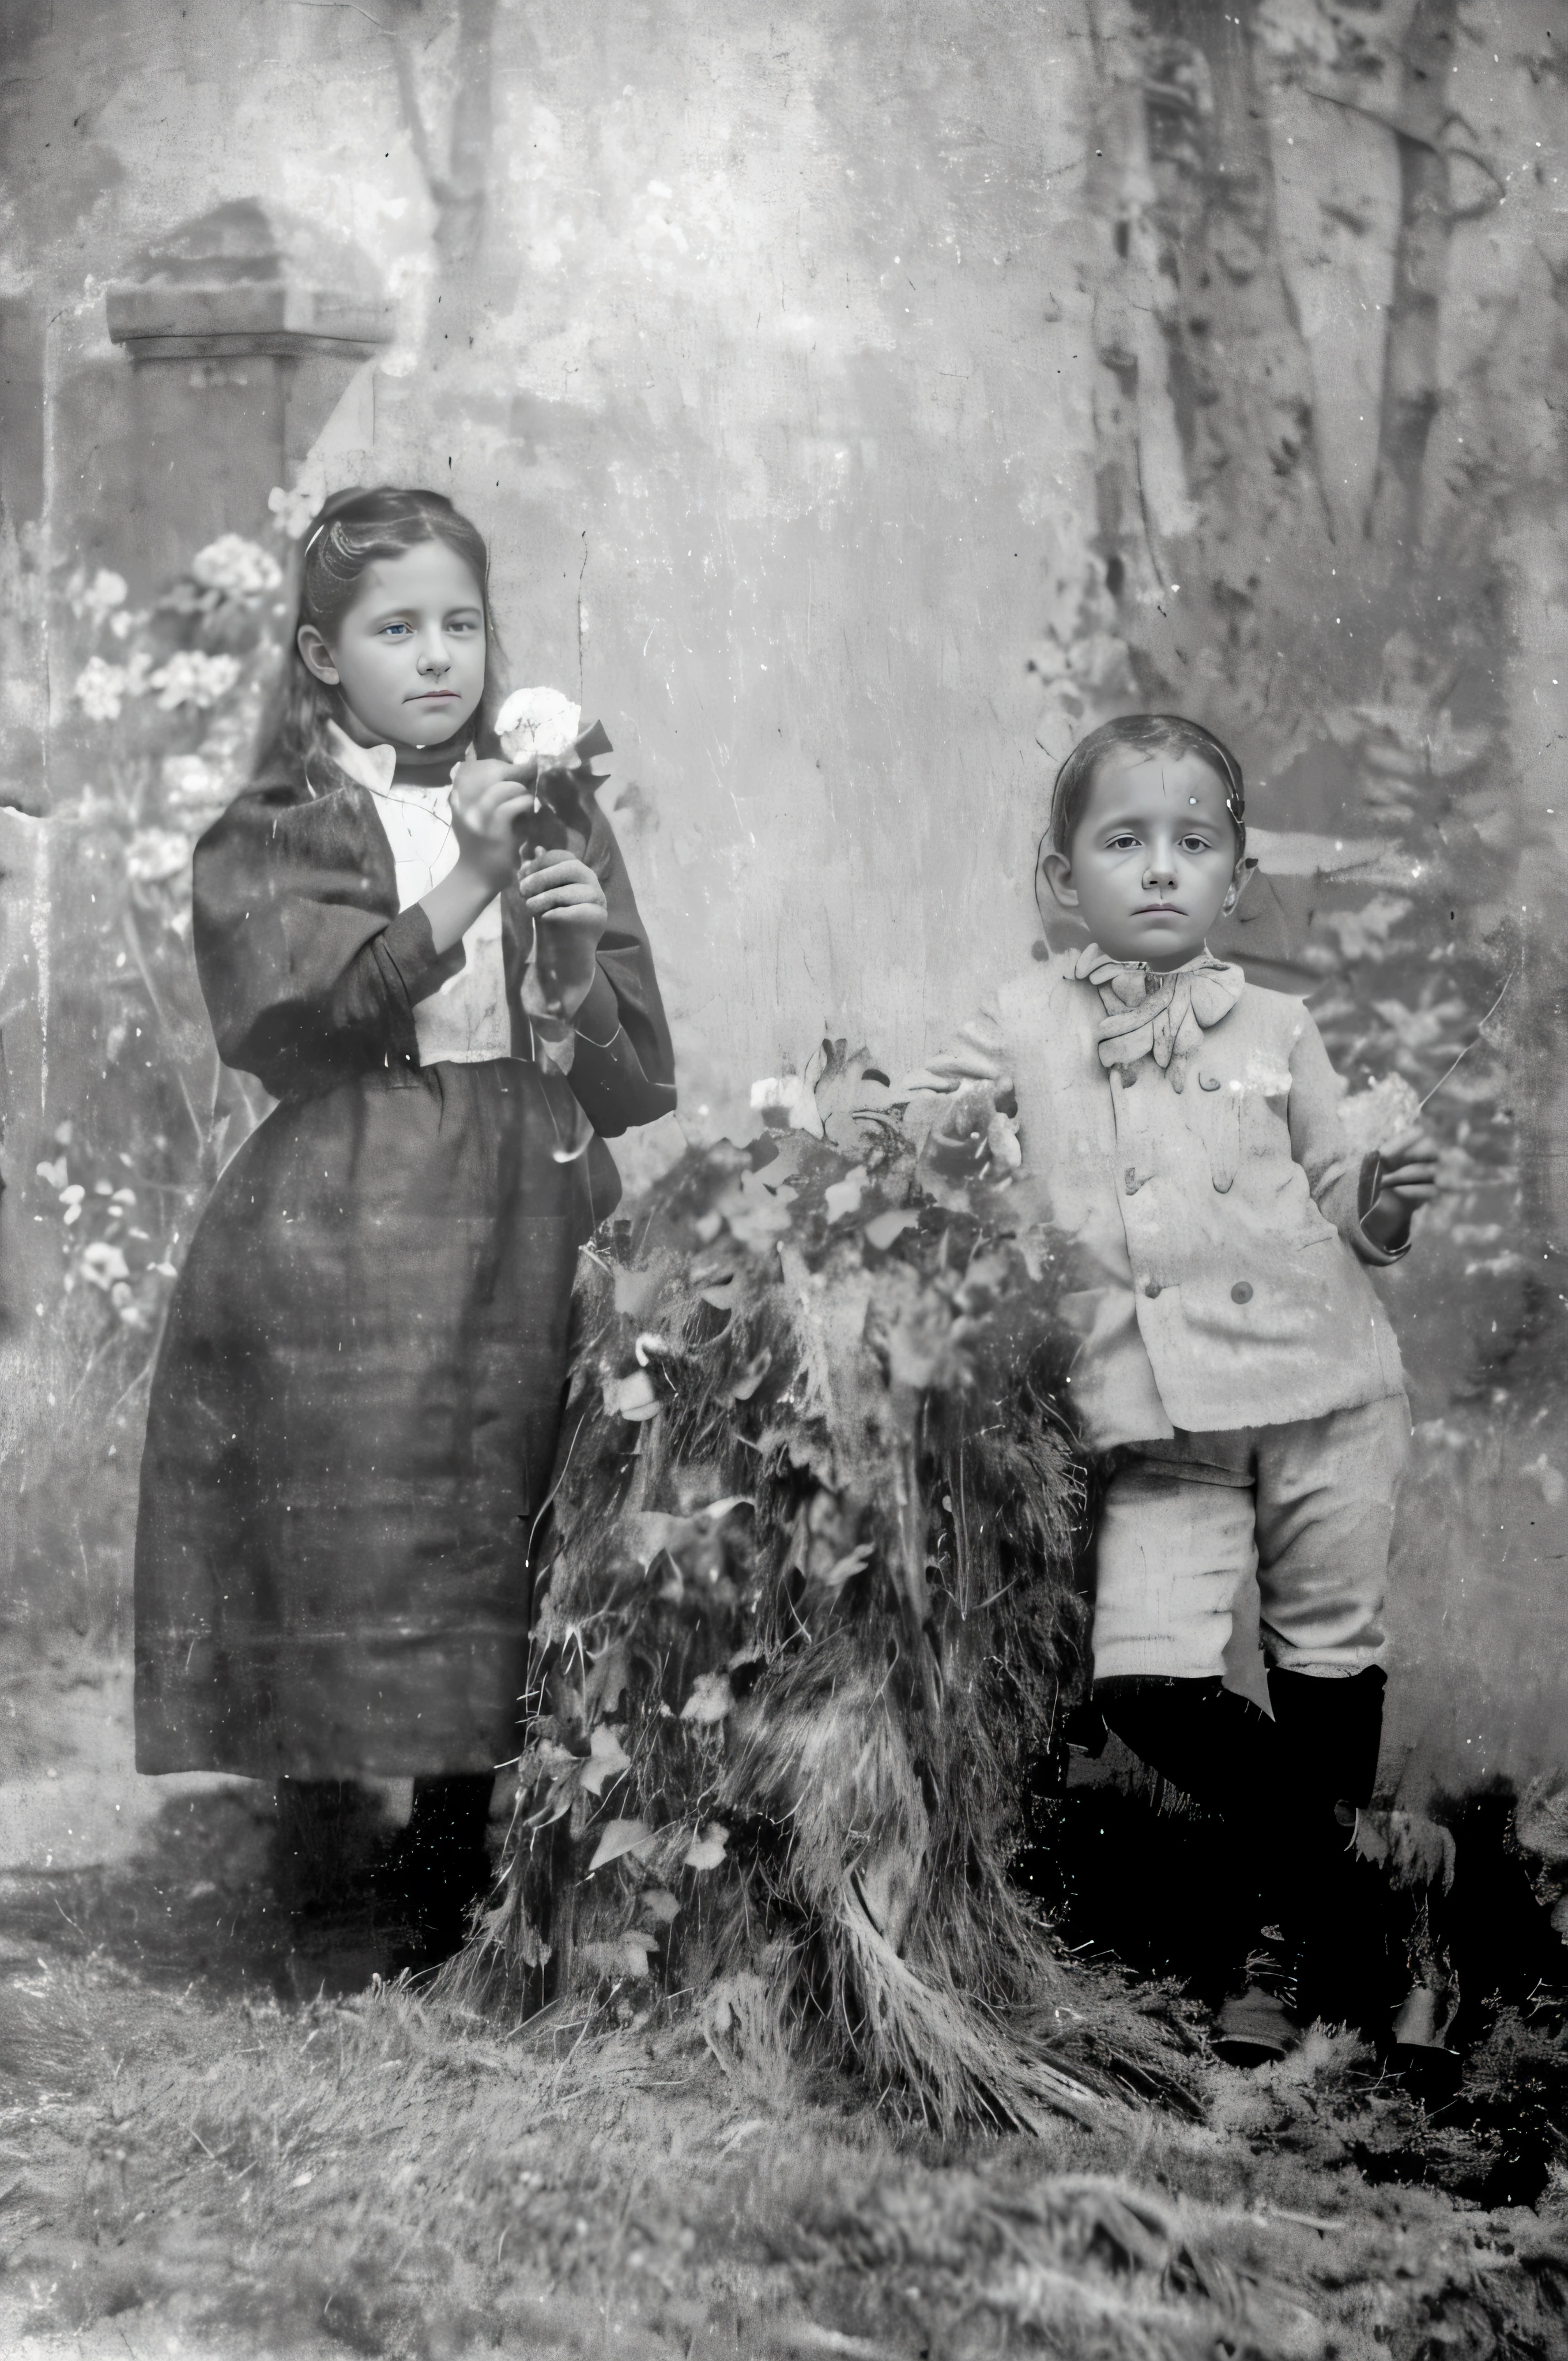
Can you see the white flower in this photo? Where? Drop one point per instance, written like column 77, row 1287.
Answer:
column 537, row 722
column 788, row 1095
column 103, row 1266
column 192, row 783
column 101, row 688
column 192, row 679
column 242, row 568
column 99, row 596
column 297, row 510
column 155, row 854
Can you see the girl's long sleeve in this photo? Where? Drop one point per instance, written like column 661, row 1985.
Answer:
column 623, row 1069
column 309, row 973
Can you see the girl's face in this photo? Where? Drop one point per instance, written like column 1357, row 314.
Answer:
column 1153, row 860
column 409, row 653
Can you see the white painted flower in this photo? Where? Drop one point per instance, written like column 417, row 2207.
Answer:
column 98, row 598
column 192, row 783
column 192, row 679
column 295, row 511
column 101, row 689
column 103, row 1266
column 537, row 722
column 788, row 1095
column 156, row 854
column 241, row 568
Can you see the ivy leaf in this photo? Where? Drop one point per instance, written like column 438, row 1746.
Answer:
column 658, row 1903
column 634, row 1397
column 707, row 1850
column 606, row 1762
column 620, row 1837
column 711, row 1698
column 844, row 1569
column 752, row 1377
column 843, row 1198
column 607, row 1676
column 884, row 1228
column 634, row 1290
column 627, row 1956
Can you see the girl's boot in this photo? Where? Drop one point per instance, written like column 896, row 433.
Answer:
column 440, row 1867
column 323, row 1851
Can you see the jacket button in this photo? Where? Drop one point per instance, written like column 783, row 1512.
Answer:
column 1242, row 1291
column 1152, row 1290
column 1208, row 1081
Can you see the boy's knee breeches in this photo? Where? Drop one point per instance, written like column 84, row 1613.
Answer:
column 1306, row 1507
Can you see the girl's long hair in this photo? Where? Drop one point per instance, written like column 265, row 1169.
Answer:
column 353, row 531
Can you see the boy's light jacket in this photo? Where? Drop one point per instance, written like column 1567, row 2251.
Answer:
column 1213, row 1232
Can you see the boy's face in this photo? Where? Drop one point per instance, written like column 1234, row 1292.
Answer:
column 1153, row 859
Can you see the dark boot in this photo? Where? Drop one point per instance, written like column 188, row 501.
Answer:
column 1277, row 1795
column 1351, row 1955
column 324, row 1851
column 440, row 1867
column 1223, row 1752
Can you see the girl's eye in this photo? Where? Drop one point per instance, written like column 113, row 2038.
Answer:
column 393, row 631
column 464, row 623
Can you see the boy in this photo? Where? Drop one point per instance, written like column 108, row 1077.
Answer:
column 1238, row 1378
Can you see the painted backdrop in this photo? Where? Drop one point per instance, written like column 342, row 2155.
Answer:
column 861, row 404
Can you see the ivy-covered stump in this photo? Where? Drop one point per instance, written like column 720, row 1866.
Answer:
column 805, row 1612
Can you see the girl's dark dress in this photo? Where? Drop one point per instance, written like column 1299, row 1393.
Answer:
column 355, row 1408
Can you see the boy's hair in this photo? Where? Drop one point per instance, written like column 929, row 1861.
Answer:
column 354, row 530
column 1167, row 732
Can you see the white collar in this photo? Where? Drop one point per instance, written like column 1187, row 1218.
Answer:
column 372, row 766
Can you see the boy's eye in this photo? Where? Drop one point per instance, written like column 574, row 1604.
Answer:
column 394, row 630
column 1120, row 843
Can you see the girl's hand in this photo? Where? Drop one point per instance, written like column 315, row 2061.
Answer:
column 566, row 900
column 489, row 802
column 1406, row 1177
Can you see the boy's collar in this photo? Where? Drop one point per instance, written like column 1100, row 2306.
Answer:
column 1091, row 961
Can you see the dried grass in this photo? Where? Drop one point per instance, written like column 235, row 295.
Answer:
column 394, row 2178
column 805, row 1610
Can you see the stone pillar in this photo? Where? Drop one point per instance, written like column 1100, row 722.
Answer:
column 243, row 328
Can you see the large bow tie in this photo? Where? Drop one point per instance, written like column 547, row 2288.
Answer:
column 1159, row 1016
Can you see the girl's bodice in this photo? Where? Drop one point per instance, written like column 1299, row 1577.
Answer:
column 466, row 1020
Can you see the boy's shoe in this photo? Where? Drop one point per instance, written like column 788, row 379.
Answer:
column 1256, row 2029
column 1418, row 2055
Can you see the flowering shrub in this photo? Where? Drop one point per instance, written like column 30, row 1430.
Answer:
column 168, row 698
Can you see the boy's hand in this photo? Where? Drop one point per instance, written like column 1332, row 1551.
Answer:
column 566, row 900
column 1406, row 1177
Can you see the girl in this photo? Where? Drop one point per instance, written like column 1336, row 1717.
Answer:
column 1237, row 1378
column 355, row 1407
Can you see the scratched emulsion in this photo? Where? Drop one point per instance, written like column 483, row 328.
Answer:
column 860, row 401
